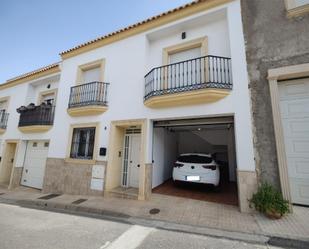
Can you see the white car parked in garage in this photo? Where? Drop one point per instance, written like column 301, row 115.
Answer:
column 195, row 167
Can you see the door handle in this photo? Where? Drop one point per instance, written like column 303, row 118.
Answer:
column 12, row 160
column 138, row 165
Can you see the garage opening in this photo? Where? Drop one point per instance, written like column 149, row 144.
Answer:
column 195, row 158
column 34, row 163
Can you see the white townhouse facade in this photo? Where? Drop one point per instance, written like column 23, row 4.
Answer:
column 114, row 114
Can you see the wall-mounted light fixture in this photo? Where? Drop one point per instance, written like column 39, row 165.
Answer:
column 183, row 35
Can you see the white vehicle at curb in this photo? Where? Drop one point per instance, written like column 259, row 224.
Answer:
column 196, row 167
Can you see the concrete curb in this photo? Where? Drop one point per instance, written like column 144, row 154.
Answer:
column 251, row 238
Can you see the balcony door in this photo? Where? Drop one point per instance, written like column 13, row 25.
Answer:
column 91, row 75
column 90, row 92
column 184, row 55
column 183, row 69
column 48, row 98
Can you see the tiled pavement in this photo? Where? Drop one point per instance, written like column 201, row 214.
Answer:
column 228, row 192
column 176, row 210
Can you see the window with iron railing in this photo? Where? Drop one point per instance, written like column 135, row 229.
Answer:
column 93, row 93
column 198, row 73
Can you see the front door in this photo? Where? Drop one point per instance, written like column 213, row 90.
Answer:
column 131, row 160
column 8, row 161
column 134, row 159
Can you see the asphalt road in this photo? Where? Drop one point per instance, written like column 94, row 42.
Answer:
column 25, row 228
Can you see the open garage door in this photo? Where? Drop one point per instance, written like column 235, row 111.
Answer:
column 193, row 122
column 204, row 136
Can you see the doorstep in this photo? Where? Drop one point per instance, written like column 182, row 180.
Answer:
column 125, row 193
column 183, row 212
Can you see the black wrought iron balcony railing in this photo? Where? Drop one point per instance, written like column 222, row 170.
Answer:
column 198, row 73
column 93, row 93
column 36, row 115
column 3, row 119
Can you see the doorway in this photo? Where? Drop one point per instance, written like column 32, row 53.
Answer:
column 118, row 168
column 131, row 159
column 186, row 139
column 8, row 162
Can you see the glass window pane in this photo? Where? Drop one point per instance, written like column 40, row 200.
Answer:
column 83, row 143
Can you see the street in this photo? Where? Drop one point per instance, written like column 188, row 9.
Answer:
column 31, row 228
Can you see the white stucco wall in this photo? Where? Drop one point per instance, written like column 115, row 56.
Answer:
column 126, row 63
column 165, row 152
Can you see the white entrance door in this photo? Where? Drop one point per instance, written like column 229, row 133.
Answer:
column 34, row 165
column 134, row 159
column 294, row 106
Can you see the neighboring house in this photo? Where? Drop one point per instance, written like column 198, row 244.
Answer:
column 130, row 102
column 29, row 132
column 277, row 47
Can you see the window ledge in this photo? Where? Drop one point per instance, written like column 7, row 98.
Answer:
column 298, row 11
column 80, row 161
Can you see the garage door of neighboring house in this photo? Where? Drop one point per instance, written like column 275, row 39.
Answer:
column 34, row 164
column 294, row 106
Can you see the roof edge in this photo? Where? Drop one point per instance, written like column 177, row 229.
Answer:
column 35, row 74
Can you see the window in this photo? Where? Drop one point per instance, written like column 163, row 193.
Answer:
column 194, row 159
column 2, row 116
column 184, row 55
column 297, row 7
column 90, row 72
column 91, row 75
column 48, row 97
column 3, row 107
column 301, row 2
column 83, row 143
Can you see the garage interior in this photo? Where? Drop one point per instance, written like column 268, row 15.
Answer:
column 205, row 135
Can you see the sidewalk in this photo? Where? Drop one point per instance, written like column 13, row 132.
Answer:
column 175, row 213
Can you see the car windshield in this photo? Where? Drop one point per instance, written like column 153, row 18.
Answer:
column 194, row 159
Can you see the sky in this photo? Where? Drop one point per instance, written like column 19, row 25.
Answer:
column 34, row 32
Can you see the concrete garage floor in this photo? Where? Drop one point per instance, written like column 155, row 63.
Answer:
column 227, row 193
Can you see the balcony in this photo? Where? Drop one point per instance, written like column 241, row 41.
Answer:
column 35, row 119
column 3, row 121
column 88, row 99
column 200, row 80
